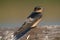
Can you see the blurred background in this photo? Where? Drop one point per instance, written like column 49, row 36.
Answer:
column 14, row 12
